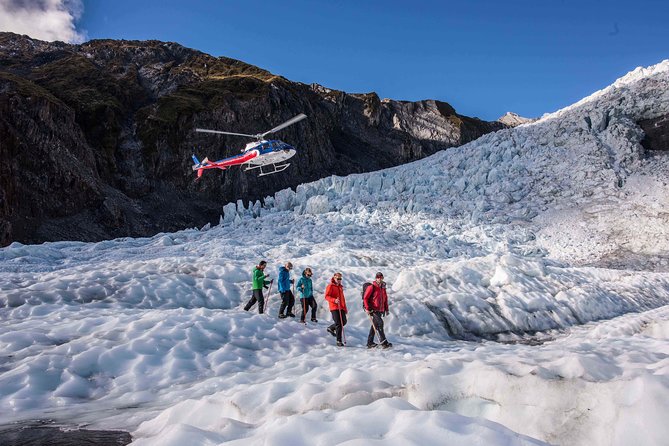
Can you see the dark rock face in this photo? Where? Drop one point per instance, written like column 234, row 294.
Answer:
column 657, row 133
column 95, row 139
column 41, row 434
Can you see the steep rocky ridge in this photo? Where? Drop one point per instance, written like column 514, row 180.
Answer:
column 95, row 139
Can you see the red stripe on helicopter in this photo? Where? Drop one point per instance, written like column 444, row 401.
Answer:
column 233, row 161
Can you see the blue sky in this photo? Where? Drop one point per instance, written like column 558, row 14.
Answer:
column 483, row 57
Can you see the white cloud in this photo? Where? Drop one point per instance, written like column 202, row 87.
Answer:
column 43, row 19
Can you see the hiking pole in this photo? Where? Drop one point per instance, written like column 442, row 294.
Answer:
column 371, row 318
column 341, row 321
column 291, row 308
column 269, row 293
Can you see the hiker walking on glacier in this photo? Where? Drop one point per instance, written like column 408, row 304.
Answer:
column 375, row 301
column 287, row 298
column 305, row 291
column 259, row 282
column 334, row 294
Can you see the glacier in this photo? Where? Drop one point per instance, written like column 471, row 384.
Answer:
column 528, row 276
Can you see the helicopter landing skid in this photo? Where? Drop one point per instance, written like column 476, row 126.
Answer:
column 274, row 169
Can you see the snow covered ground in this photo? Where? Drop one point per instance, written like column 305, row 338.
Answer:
column 529, row 287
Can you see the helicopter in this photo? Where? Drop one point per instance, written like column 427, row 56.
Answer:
column 266, row 155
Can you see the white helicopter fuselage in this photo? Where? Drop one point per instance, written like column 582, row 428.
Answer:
column 270, row 152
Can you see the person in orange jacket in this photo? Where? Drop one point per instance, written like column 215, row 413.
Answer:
column 334, row 294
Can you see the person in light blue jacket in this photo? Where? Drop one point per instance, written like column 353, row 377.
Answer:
column 305, row 291
column 287, row 298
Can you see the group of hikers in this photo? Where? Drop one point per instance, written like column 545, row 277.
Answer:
column 374, row 297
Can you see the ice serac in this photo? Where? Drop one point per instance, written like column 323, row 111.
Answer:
column 97, row 137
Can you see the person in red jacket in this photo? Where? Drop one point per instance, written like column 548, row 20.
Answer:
column 334, row 294
column 375, row 301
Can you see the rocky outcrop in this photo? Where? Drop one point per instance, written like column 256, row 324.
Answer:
column 95, row 139
column 514, row 120
column 656, row 132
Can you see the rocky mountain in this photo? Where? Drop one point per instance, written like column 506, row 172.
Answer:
column 95, row 139
column 514, row 120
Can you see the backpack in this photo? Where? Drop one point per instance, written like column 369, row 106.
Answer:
column 364, row 290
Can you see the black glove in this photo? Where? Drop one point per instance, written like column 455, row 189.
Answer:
column 266, row 287
column 387, row 312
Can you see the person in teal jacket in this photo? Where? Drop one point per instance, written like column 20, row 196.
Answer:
column 259, row 282
column 306, row 292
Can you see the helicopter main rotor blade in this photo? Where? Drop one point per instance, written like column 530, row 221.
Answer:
column 291, row 121
column 224, row 133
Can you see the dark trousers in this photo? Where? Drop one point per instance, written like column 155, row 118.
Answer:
column 287, row 302
column 256, row 297
column 308, row 302
column 377, row 327
column 339, row 318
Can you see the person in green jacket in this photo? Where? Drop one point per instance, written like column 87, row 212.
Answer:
column 259, row 282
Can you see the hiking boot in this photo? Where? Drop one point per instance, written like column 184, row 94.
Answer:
column 313, row 319
column 291, row 315
column 282, row 316
column 340, row 344
column 302, row 321
column 386, row 345
column 372, row 345
column 332, row 331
